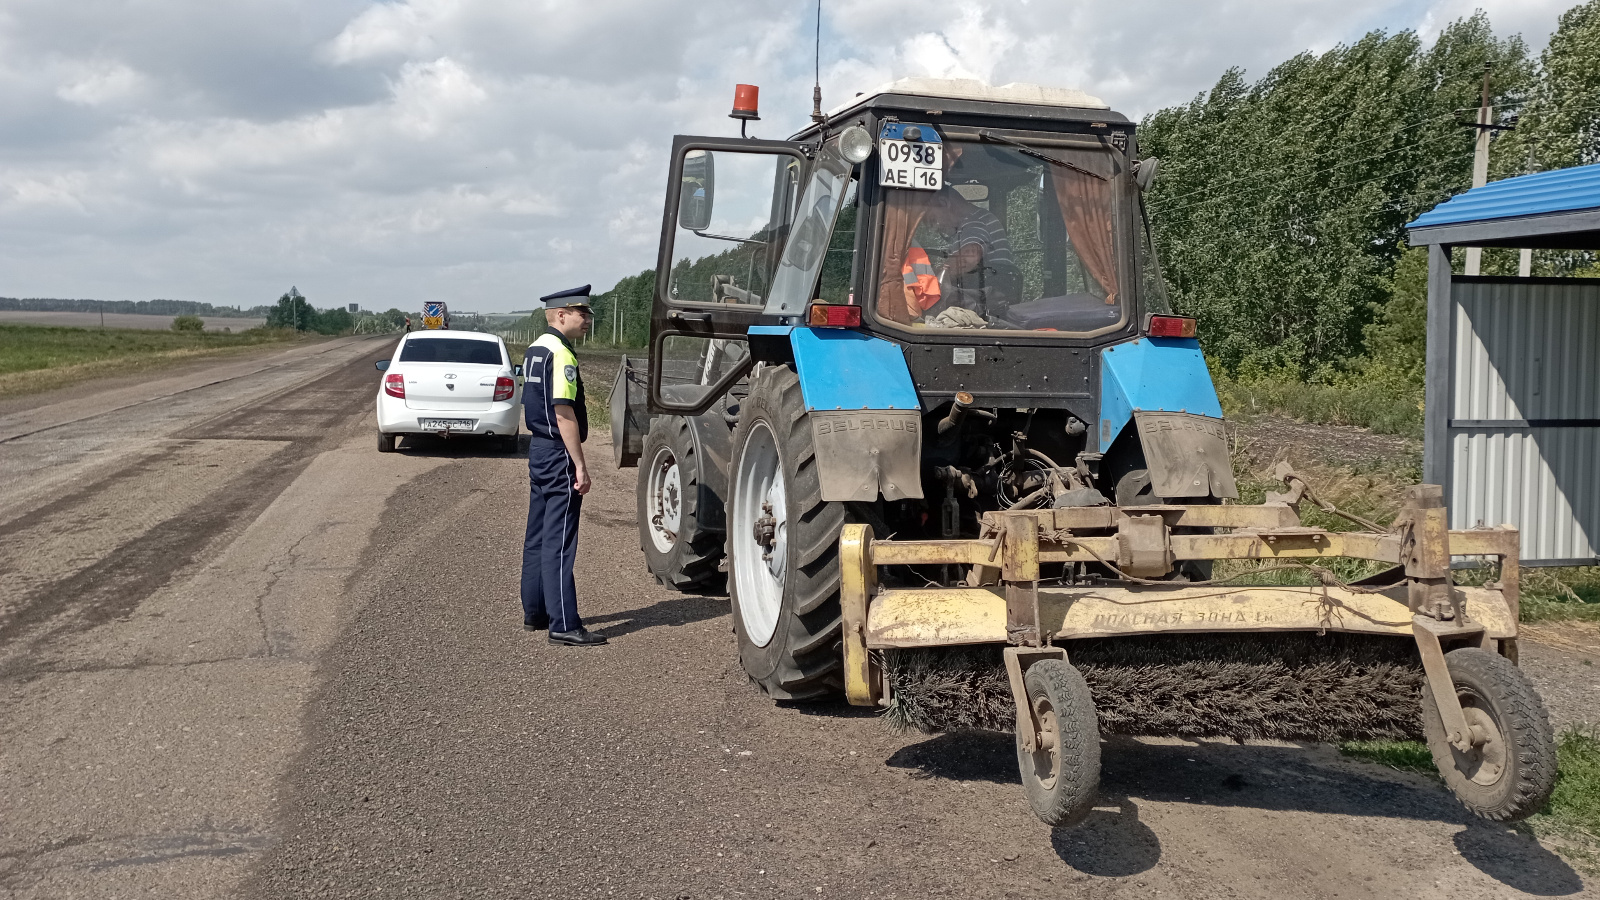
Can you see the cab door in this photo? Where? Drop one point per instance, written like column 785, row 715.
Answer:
column 730, row 205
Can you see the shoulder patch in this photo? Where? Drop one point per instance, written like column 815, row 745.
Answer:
column 571, row 372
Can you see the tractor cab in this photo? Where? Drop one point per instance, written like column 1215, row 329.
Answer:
column 990, row 238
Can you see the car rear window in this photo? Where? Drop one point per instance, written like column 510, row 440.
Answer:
column 452, row 350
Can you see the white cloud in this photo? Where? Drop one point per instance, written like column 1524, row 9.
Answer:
column 492, row 150
column 98, row 83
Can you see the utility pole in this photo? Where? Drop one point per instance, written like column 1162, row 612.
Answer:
column 1480, row 163
column 1525, row 257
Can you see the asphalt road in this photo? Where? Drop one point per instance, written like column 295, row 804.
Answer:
column 308, row 678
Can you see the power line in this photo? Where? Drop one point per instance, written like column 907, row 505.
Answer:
column 1268, row 226
column 1475, row 71
column 1167, row 209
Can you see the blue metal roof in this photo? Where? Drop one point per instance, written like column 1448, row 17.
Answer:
column 1542, row 193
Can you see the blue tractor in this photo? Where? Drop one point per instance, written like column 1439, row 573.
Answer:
column 913, row 384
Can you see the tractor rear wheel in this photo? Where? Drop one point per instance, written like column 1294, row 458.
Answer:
column 783, row 546
column 1511, row 769
column 680, row 552
column 1061, row 774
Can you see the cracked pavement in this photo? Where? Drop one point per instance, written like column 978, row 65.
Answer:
column 162, row 609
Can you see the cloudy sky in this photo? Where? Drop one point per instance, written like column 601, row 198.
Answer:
column 489, row 151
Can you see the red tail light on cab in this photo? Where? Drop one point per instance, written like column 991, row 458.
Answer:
column 504, row 388
column 830, row 315
column 1173, row 327
column 394, row 384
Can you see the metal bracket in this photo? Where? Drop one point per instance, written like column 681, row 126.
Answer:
column 858, row 582
column 1427, row 632
column 1018, row 659
column 1019, row 569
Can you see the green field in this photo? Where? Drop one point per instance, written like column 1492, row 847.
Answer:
column 38, row 357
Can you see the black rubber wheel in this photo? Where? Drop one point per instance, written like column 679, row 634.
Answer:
column 1509, row 775
column 511, row 443
column 386, row 442
column 1062, row 776
column 681, row 553
column 784, row 592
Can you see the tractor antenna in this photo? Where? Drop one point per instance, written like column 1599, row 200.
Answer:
column 816, row 88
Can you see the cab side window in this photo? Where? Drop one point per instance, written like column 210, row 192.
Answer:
column 733, row 211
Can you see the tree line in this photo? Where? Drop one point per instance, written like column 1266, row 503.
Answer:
column 1281, row 207
column 294, row 311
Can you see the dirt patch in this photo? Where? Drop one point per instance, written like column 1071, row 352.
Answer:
column 1264, row 440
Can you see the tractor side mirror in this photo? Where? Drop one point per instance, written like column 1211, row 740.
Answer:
column 1145, row 172
column 382, row 364
column 695, row 191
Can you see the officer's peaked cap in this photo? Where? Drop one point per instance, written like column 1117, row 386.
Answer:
column 578, row 296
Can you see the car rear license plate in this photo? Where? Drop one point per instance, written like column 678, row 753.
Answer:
column 446, row 424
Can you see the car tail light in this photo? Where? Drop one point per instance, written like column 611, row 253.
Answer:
column 1173, row 326
column 394, row 384
column 504, row 388
column 831, row 315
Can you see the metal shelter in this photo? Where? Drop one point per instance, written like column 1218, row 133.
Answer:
column 1512, row 425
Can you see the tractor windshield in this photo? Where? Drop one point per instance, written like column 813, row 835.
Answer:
column 1026, row 238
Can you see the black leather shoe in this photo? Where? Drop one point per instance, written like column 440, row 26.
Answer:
column 579, row 637
column 535, row 626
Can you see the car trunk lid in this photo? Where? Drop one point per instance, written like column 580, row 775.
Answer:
column 449, row 386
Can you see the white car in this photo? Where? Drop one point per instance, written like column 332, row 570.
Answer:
column 449, row 383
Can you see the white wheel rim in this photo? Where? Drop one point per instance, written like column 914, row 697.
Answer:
column 758, row 494
column 663, row 500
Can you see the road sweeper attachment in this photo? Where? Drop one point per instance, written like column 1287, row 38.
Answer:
column 936, row 315
column 1112, row 647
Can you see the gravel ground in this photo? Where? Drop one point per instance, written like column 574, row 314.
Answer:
column 452, row 754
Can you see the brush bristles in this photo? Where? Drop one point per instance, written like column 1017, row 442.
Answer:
column 1300, row 687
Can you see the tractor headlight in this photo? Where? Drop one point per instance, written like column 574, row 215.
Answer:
column 856, row 144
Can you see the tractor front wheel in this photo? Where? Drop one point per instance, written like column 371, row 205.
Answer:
column 783, row 546
column 680, row 552
column 1061, row 773
column 1510, row 770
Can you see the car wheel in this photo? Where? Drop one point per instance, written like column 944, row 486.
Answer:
column 386, row 442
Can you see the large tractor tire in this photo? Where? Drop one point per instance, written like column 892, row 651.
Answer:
column 1511, row 769
column 681, row 553
column 783, row 547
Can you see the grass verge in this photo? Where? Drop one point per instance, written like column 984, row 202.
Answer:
column 599, row 368
column 1573, row 812
column 1382, row 408
column 38, row 357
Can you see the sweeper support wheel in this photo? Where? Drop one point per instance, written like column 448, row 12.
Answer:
column 1509, row 768
column 1058, row 737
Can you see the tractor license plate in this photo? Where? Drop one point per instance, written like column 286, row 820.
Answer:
column 905, row 164
column 445, row 424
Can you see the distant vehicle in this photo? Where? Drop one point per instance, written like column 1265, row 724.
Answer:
column 447, row 384
column 435, row 315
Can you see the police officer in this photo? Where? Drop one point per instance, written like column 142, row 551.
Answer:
column 558, row 424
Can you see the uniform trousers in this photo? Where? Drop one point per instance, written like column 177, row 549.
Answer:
column 549, row 595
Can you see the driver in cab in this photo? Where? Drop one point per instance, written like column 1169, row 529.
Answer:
column 977, row 264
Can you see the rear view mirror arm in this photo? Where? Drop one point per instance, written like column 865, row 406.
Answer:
column 723, row 237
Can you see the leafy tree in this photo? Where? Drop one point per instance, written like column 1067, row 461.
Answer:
column 1282, row 203
column 333, row 321
column 633, row 294
column 1396, row 340
column 292, row 311
column 188, row 323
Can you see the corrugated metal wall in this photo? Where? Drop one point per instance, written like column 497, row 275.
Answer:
column 1526, row 353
